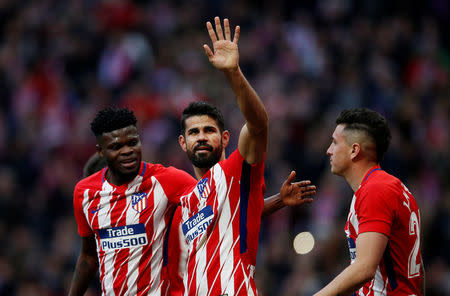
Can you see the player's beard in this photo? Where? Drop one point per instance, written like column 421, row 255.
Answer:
column 205, row 161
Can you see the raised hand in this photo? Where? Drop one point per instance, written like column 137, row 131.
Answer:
column 297, row 193
column 226, row 53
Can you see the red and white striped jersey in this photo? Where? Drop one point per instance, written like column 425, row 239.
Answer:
column 129, row 223
column 220, row 220
column 383, row 204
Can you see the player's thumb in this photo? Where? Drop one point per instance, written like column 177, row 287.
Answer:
column 208, row 51
column 290, row 178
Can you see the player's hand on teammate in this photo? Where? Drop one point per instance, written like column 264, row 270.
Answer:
column 226, row 54
column 296, row 193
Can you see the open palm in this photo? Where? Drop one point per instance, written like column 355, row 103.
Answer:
column 226, row 53
column 296, row 193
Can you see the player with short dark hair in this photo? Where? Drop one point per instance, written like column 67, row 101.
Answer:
column 123, row 210
column 221, row 216
column 291, row 193
column 383, row 224
column 202, row 108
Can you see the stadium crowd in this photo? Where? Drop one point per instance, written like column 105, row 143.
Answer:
column 61, row 61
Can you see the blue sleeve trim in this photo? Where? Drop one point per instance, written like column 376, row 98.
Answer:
column 244, row 198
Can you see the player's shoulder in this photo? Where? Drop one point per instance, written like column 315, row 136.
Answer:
column 93, row 182
column 234, row 159
column 157, row 169
column 382, row 183
column 167, row 173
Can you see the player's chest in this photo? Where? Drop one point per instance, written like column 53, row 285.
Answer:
column 107, row 209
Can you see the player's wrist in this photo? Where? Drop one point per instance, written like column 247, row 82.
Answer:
column 232, row 71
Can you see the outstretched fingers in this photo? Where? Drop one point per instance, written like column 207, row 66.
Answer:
column 302, row 183
column 303, row 188
column 218, row 28
column 219, row 34
column 211, row 32
column 226, row 25
column 308, row 190
column 237, row 32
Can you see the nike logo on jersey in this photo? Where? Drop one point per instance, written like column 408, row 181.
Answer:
column 93, row 211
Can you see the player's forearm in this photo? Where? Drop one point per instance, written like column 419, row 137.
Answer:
column 85, row 271
column 249, row 102
column 272, row 204
column 348, row 281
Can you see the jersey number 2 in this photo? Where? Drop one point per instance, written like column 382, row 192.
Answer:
column 414, row 229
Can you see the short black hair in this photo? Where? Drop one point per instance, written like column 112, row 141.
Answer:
column 199, row 108
column 374, row 124
column 111, row 119
column 94, row 164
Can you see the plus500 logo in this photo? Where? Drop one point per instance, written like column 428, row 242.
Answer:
column 129, row 236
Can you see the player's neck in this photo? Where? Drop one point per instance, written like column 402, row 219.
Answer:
column 200, row 172
column 356, row 173
column 117, row 179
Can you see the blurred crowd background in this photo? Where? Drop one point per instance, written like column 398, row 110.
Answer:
column 62, row 61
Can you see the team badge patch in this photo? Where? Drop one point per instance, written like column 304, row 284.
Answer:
column 139, row 201
column 203, row 188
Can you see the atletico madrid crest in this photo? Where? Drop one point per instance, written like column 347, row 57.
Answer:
column 139, row 201
column 203, row 188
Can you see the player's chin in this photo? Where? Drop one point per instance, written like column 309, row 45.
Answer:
column 203, row 154
column 130, row 170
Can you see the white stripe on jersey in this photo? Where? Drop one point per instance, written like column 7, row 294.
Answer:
column 379, row 285
column 247, row 283
column 353, row 218
column 226, row 239
column 103, row 222
column 134, row 253
column 227, row 287
column 227, row 262
column 159, row 225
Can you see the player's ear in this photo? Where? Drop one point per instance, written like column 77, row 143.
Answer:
column 99, row 150
column 182, row 142
column 225, row 138
column 355, row 151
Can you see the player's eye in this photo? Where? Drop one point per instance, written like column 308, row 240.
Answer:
column 115, row 147
column 193, row 131
column 210, row 129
